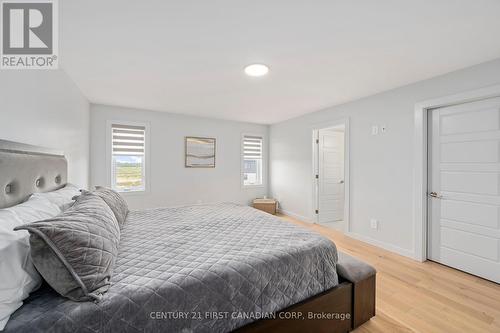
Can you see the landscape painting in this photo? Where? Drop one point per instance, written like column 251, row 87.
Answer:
column 200, row 152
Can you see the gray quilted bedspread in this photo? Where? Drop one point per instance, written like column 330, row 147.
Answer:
column 176, row 267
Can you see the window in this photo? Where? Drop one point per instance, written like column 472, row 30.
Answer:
column 128, row 158
column 252, row 160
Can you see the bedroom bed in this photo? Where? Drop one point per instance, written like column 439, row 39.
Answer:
column 201, row 268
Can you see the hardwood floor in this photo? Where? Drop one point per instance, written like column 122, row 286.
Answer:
column 421, row 297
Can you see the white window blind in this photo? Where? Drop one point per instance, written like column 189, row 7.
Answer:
column 252, row 147
column 128, row 139
column 252, row 160
column 128, row 157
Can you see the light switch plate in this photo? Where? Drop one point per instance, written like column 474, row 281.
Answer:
column 374, row 130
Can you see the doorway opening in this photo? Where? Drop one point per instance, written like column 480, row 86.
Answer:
column 330, row 176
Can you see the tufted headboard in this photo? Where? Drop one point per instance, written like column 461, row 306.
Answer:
column 26, row 169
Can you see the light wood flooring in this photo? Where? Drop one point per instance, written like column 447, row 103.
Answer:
column 421, row 297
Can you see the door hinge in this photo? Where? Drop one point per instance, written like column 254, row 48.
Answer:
column 317, row 141
column 317, row 211
column 317, row 176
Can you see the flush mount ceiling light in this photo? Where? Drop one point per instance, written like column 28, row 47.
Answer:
column 256, row 70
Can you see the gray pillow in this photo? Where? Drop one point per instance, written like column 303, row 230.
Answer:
column 75, row 251
column 115, row 201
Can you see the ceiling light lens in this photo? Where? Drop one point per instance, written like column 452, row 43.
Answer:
column 256, row 70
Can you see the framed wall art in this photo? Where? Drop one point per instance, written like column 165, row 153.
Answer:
column 200, row 152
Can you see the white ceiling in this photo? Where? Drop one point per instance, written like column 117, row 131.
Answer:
column 188, row 56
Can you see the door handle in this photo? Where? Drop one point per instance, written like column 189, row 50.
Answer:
column 435, row 195
column 341, row 182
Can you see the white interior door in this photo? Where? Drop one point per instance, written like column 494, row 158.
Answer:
column 464, row 186
column 331, row 175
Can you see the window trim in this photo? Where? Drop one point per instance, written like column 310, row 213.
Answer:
column 109, row 155
column 264, row 161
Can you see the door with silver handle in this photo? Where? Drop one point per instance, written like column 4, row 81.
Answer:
column 464, row 187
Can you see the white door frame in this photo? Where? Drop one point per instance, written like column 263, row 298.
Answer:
column 347, row 198
column 420, row 218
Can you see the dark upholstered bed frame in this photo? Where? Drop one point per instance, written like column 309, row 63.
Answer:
column 25, row 169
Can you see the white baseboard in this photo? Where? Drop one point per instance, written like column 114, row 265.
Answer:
column 369, row 240
column 383, row 245
column 296, row 216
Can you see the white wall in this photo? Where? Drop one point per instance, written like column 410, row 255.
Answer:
column 45, row 108
column 170, row 182
column 381, row 167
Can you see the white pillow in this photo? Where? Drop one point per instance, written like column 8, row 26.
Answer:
column 62, row 197
column 18, row 276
